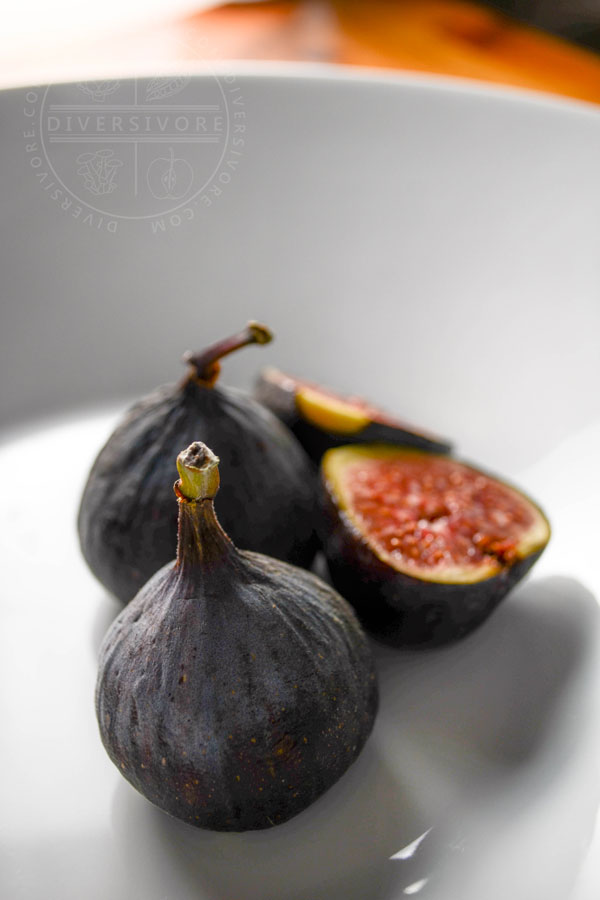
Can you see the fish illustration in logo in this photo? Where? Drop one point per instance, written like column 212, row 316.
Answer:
column 162, row 88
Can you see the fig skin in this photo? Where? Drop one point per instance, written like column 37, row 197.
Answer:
column 279, row 393
column 127, row 520
column 397, row 608
column 235, row 689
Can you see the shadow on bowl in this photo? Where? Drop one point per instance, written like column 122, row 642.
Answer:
column 498, row 693
column 470, row 718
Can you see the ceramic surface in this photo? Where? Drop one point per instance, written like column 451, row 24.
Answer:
column 433, row 245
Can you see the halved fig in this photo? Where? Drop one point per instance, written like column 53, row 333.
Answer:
column 321, row 418
column 424, row 546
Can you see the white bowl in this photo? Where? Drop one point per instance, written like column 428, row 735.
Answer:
column 429, row 243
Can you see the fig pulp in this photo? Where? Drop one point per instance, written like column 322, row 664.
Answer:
column 127, row 520
column 322, row 419
column 424, row 546
column 235, row 688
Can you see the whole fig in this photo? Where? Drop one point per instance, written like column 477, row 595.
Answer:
column 127, row 519
column 235, row 689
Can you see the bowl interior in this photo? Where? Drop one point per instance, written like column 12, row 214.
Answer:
column 428, row 244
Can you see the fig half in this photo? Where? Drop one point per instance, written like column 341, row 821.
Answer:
column 321, row 418
column 424, row 546
column 127, row 520
column 235, row 688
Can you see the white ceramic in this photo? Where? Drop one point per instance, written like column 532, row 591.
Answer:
column 430, row 243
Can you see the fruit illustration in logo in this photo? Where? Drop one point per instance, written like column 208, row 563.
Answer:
column 169, row 178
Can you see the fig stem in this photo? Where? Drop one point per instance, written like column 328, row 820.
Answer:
column 198, row 469
column 206, row 363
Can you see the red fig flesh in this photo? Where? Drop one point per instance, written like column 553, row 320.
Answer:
column 428, row 536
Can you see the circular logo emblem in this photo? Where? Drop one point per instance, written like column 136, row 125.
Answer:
column 139, row 149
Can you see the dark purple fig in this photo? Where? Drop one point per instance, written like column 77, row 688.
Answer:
column 321, row 418
column 127, row 519
column 424, row 546
column 235, row 688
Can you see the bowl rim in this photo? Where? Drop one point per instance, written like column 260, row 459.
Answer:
column 331, row 73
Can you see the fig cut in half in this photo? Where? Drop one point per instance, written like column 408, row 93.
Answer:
column 424, row 546
column 321, row 418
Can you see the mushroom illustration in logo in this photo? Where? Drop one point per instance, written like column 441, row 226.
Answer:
column 99, row 170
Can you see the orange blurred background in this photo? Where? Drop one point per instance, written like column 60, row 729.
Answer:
column 451, row 37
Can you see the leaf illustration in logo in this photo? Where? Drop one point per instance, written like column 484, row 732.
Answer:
column 99, row 171
column 98, row 90
column 169, row 178
column 161, row 88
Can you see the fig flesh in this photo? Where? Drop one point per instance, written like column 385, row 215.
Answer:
column 127, row 519
column 424, row 546
column 235, row 688
column 321, row 418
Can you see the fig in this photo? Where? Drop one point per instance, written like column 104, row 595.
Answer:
column 424, row 546
column 321, row 418
column 127, row 520
column 235, row 688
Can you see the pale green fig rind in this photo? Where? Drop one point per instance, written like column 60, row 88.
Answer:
column 277, row 392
